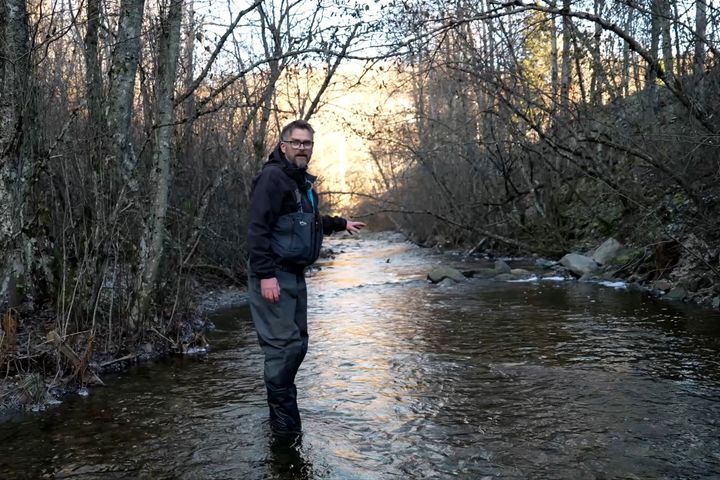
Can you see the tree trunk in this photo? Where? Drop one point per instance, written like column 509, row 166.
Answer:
column 93, row 71
column 700, row 31
column 554, row 68
column 260, row 133
column 625, row 85
column 489, row 43
column 681, row 66
column 96, row 120
column 598, row 70
column 3, row 26
column 579, row 70
column 151, row 244
column 665, row 17
column 15, row 167
column 189, row 107
column 566, row 76
column 652, row 72
column 125, row 59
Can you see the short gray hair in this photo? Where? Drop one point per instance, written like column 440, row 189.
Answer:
column 295, row 125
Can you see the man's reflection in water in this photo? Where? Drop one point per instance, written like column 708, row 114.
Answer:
column 286, row 459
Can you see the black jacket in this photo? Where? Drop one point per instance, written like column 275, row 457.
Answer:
column 273, row 196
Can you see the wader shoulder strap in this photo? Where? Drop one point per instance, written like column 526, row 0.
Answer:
column 298, row 199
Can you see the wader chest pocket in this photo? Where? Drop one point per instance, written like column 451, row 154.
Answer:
column 296, row 238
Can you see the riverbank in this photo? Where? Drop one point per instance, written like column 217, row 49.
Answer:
column 38, row 383
column 679, row 271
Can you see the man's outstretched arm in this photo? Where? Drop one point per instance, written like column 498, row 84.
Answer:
column 338, row 224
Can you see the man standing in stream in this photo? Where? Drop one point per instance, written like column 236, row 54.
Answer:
column 285, row 232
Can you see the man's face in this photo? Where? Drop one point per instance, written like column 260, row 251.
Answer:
column 298, row 147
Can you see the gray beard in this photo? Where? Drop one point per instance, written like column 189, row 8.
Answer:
column 301, row 162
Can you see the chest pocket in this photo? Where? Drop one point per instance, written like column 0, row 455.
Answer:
column 297, row 236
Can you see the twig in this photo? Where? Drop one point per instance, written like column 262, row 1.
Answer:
column 476, row 247
column 117, row 360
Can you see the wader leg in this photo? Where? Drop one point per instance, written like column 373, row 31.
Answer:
column 282, row 333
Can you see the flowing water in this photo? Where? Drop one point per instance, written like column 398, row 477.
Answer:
column 404, row 379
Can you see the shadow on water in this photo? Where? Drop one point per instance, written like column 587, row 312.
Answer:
column 403, row 379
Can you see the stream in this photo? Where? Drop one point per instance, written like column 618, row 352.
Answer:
column 405, row 379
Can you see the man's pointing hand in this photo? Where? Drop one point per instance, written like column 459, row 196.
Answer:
column 354, row 227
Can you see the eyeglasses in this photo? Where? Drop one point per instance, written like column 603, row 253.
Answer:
column 307, row 144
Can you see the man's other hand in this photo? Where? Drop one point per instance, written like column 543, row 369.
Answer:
column 270, row 289
column 354, row 227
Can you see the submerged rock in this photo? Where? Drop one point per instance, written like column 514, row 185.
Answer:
column 484, row 273
column 447, row 282
column 520, row 272
column 438, row 274
column 589, row 277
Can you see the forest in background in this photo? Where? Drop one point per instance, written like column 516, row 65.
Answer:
column 130, row 132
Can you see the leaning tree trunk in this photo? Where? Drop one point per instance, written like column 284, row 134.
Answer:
column 151, row 244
